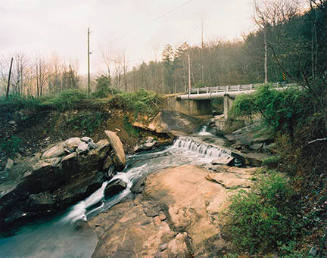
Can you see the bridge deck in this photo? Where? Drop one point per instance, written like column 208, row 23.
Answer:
column 220, row 91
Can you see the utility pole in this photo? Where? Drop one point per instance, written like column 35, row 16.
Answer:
column 266, row 53
column 189, row 73
column 9, row 76
column 202, row 42
column 202, row 46
column 88, row 63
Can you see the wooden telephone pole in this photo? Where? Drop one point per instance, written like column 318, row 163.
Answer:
column 202, row 46
column 88, row 63
column 189, row 73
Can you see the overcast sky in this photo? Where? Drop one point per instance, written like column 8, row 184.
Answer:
column 138, row 28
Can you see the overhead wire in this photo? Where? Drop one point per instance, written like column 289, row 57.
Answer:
column 132, row 35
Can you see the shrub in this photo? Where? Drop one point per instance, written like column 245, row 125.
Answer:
column 11, row 146
column 65, row 99
column 130, row 129
column 103, row 88
column 244, row 105
column 17, row 101
column 87, row 122
column 280, row 110
column 141, row 101
column 271, row 162
column 262, row 219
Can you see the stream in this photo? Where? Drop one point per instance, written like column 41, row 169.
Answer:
column 60, row 236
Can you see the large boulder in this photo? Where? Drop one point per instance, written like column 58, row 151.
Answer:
column 171, row 121
column 119, row 157
column 72, row 143
column 55, row 151
column 46, row 185
column 252, row 136
column 114, row 187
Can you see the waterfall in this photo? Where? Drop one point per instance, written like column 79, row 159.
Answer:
column 207, row 151
column 203, row 131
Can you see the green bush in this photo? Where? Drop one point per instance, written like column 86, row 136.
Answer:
column 11, row 146
column 65, row 99
column 262, row 219
column 87, row 122
column 17, row 101
column 103, row 87
column 244, row 105
column 141, row 101
column 271, row 162
column 130, row 129
column 281, row 110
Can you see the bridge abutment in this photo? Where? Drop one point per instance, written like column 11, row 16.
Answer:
column 197, row 107
column 189, row 107
column 228, row 102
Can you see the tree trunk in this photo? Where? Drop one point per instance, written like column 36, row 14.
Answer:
column 21, row 79
column 9, row 76
column 37, row 81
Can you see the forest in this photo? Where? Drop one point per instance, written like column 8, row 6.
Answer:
column 295, row 52
column 291, row 43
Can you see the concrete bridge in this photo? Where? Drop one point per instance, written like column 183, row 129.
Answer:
column 198, row 100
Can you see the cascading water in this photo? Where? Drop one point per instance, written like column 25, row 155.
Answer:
column 203, row 131
column 57, row 237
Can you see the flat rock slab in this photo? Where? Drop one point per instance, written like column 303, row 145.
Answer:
column 127, row 231
column 177, row 215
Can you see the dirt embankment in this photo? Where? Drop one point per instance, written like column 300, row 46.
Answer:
column 24, row 132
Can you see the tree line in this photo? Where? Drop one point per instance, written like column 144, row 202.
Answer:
column 289, row 45
column 38, row 77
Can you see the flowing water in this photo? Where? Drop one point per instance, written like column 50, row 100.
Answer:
column 58, row 237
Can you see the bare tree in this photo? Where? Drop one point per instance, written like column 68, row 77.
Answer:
column 272, row 13
column 9, row 75
column 119, row 69
column 107, row 59
column 18, row 73
column 125, row 69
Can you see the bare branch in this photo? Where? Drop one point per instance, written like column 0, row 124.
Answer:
column 318, row 140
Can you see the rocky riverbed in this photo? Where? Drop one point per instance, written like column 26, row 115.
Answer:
column 175, row 215
column 164, row 202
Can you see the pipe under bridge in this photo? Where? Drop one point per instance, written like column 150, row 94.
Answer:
column 197, row 100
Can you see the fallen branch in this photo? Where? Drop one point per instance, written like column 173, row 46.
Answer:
column 318, row 140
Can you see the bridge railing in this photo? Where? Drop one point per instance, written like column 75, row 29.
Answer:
column 234, row 88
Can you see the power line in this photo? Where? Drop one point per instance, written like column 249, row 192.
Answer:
column 154, row 20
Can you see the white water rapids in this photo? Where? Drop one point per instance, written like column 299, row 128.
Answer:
column 57, row 237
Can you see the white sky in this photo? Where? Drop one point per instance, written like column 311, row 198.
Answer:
column 138, row 28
